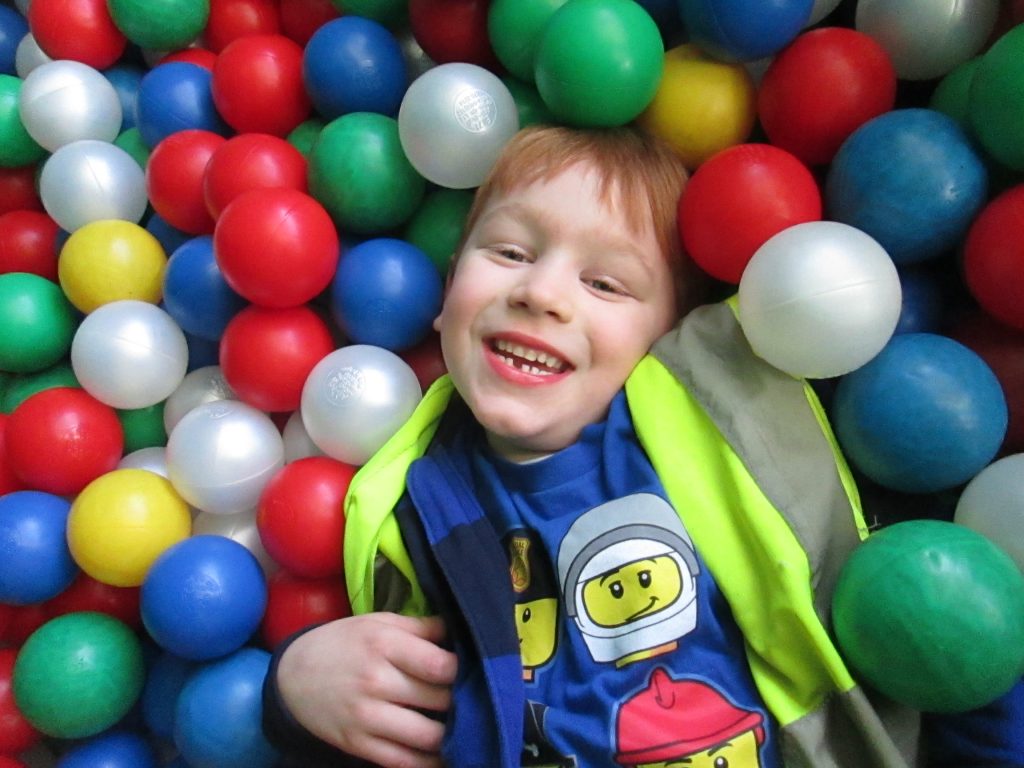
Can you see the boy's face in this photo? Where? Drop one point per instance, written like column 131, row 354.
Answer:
column 553, row 302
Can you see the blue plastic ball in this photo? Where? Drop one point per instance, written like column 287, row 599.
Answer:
column 195, row 292
column 218, row 717
column 354, row 64
column 111, row 749
column 176, row 96
column 386, row 292
column 165, row 678
column 13, row 27
column 35, row 562
column 925, row 415
column 126, row 79
column 170, row 237
column 202, row 352
column 922, row 300
column 203, row 597
column 743, row 30
column 911, row 179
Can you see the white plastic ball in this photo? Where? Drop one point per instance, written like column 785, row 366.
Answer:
column 129, row 354
column 297, row 442
column 240, row 527
column 927, row 39
column 992, row 504
column 453, row 122
column 92, row 180
column 819, row 299
column 152, row 459
column 222, row 454
column 28, row 55
column 63, row 101
column 355, row 399
column 203, row 385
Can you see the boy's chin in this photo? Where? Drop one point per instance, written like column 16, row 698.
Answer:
column 521, row 448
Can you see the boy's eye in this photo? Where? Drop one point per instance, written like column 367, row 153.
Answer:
column 605, row 286
column 512, row 254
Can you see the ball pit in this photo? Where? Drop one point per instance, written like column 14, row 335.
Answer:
column 37, row 323
column 348, row 154
column 35, row 564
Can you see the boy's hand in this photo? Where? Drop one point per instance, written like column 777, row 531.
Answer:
column 358, row 682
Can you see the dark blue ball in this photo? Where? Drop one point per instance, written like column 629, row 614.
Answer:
column 13, row 27
column 203, row 597
column 170, row 237
column 922, row 301
column 386, row 292
column 176, row 96
column 35, row 562
column 111, row 749
column 195, row 292
column 925, row 415
column 743, row 30
column 911, row 179
column 217, row 722
column 126, row 79
column 164, row 680
column 354, row 64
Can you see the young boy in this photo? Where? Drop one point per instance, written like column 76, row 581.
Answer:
column 630, row 529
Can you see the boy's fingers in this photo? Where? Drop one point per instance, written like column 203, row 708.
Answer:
column 419, row 656
column 428, row 627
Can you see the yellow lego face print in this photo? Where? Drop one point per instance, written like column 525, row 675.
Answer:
column 536, row 625
column 632, row 591
column 739, row 752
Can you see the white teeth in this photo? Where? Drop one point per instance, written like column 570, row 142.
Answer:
column 514, row 352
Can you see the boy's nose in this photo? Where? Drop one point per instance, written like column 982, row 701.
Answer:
column 544, row 287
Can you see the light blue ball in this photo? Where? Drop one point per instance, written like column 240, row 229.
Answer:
column 911, row 179
column 743, row 30
column 35, row 562
column 925, row 415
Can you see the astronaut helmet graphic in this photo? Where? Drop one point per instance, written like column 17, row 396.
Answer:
column 627, row 571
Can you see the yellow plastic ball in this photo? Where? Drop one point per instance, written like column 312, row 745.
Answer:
column 109, row 260
column 702, row 105
column 122, row 521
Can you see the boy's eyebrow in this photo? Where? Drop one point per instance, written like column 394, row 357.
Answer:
column 530, row 216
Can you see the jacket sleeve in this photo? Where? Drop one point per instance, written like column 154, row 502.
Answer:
column 989, row 737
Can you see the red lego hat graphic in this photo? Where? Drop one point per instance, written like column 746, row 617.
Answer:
column 674, row 718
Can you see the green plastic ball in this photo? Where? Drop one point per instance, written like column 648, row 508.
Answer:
column 131, row 142
column 359, row 173
column 160, row 26
column 143, row 427
column 530, row 106
column 78, row 674
column 952, row 93
column 391, row 13
column 436, row 227
column 996, row 99
column 599, row 62
column 24, row 385
column 931, row 614
column 37, row 322
column 514, row 28
column 17, row 148
column 305, row 134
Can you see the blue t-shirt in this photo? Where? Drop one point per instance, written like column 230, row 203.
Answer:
column 631, row 656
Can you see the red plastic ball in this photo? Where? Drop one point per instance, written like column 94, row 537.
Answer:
column 1002, row 348
column 821, row 88
column 232, row 19
column 18, row 189
column 8, row 480
column 294, row 603
column 87, row 594
column 16, row 733
column 266, row 354
column 10, row 762
column 453, row 30
column 276, row 247
column 61, row 439
column 257, row 85
column 994, row 259
column 28, row 243
column 426, row 360
column 202, row 57
column 22, row 622
column 81, row 30
column 301, row 18
column 251, row 161
column 174, row 179
column 737, row 199
column 300, row 516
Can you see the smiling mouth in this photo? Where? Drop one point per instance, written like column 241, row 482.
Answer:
column 533, row 361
